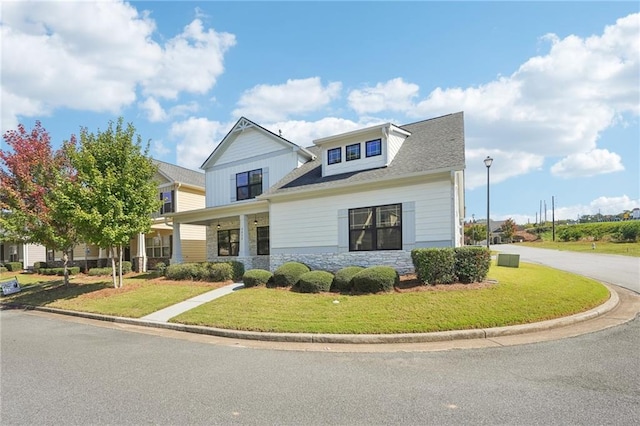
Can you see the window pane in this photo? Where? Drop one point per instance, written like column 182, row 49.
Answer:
column 166, row 252
column 243, row 193
column 234, row 249
column 156, row 252
column 334, row 155
column 388, row 216
column 389, row 239
column 374, row 148
column 263, row 232
column 223, row 250
column 255, row 176
column 223, row 237
column 361, row 240
column 361, row 218
column 263, row 247
column 353, row 152
column 149, row 251
column 255, row 190
column 234, row 235
column 242, row 179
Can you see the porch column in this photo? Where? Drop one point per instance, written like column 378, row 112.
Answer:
column 243, row 251
column 142, row 253
column 176, row 249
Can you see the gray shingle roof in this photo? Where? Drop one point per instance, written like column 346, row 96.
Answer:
column 180, row 174
column 434, row 144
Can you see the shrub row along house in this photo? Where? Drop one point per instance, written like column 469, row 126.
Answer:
column 366, row 197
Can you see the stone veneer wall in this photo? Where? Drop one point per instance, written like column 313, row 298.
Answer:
column 332, row 262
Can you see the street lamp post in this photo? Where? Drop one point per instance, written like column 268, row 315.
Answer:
column 487, row 162
column 473, row 228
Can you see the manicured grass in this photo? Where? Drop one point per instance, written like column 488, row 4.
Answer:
column 527, row 294
column 606, row 247
column 25, row 279
column 139, row 296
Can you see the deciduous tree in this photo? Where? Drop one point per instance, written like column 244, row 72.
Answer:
column 32, row 201
column 115, row 194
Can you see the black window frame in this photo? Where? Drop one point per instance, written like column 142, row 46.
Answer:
column 346, row 152
column 339, row 160
column 233, row 247
column 374, row 233
column 167, row 206
column 378, row 142
column 262, row 242
column 253, row 189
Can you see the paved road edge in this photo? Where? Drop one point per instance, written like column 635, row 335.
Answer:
column 484, row 333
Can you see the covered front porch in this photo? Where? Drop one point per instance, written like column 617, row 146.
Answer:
column 238, row 232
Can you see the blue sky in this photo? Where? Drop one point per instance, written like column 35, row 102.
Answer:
column 550, row 90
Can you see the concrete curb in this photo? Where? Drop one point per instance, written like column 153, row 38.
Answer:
column 441, row 336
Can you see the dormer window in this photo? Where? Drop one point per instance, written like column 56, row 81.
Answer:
column 374, row 148
column 248, row 184
column 353, row 152
column 334, row 156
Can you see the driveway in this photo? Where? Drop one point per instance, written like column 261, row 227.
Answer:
column 613, row 269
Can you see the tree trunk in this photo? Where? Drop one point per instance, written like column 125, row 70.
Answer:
column 113, row 266
column 65, row 259
column 120, row 264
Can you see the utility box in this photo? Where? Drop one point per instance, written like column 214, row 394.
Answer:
column 509, row 260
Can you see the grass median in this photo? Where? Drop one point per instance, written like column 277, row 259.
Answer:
column 522, row 295
column 140, row 295
column 601, row 247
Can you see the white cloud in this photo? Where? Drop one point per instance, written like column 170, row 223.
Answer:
column 303, row 133
column 153, row 110
column 97, row 64
column 159, row 149
column 393, row 95
column 197, row 138
column 595, row 162
column 506, row 164
column 277, row 102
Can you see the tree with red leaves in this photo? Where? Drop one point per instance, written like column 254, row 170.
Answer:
column 32, row 201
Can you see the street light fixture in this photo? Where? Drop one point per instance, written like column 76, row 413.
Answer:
column 487, row 162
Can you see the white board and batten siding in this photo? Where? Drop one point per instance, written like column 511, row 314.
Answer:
column 251, row 150
column 34, row 253
column 312, row 224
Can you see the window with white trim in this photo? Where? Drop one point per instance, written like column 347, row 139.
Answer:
column 158, row 246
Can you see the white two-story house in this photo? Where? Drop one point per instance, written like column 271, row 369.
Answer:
column 366, row 197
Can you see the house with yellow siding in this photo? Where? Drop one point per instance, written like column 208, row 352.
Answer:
column 179, row 189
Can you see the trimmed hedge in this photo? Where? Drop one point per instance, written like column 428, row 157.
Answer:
column 96, row 272
column 73, row 270
column 288, row 274
column 434, row 265
column 39, row 265
column 375, row 279
column 205, row 271
column 472, row 264
column 14, row 266
column 238, row 269
column 342, row 282
column 256, row 277
column 3, row 269
column 315, row 282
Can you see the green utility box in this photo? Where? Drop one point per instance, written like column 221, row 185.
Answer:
column 509, row 260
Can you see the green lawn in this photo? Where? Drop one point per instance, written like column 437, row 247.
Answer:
column 606, row 247
column 140, row 295
column 527, row 294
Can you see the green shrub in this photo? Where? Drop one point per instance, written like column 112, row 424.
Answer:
column 3, row 269
column 472, row 264
column 14, row 266
column 375, row 279
column 256, row 277
column 217, row 272
column 96, row 272
column 126, row 267
column 342, row 282
column 238, row 269
column 39, row 265
column 185, row 271
column 161, row 268
column 288, row 274
column 434, row 266
column 73, row 270
column 315, row 282
column 629, row 231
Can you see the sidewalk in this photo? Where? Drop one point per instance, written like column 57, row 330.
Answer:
column 165, row 314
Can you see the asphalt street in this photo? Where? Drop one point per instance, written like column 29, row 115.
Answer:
column 620, row 270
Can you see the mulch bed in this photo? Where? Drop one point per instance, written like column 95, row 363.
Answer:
column 410, row 283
